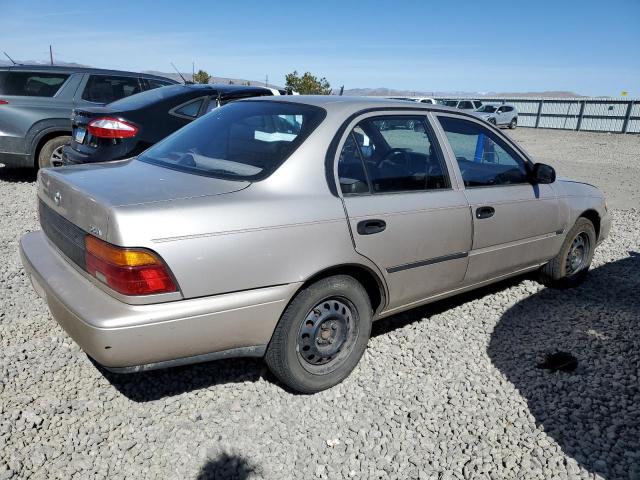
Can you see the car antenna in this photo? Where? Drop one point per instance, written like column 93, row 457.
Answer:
column 178, row 72
column 12, row 60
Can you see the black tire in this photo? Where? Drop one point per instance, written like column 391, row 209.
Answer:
column 284, row 356
column 50, row 151
column 513, row 124
column 492, row 121
column 557, row 273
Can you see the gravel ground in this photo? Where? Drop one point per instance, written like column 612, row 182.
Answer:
column 446, row 391
column 610, row 161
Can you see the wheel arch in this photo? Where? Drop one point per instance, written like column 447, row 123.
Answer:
column 372, row 283
column 43, row 136
column 594, row 217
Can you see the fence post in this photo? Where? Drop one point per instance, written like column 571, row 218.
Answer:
column 539, row 112
column 579, row 124
column 625, row 125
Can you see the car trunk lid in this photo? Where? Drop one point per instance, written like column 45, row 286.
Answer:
column 86, row 194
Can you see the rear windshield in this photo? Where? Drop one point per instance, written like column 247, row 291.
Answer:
column 143, row 99
column 244, row 140
column 32, row 84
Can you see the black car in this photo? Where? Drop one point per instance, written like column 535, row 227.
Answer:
column 36, row 101
column 127, row 127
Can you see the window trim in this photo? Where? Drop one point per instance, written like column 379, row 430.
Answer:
column 511, row 148
column 352, row 122
column 174, row 110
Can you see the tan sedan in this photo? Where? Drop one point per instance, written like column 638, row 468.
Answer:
column 283, row 228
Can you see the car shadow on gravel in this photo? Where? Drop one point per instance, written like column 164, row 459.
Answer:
column 18, row 174
column 157, row 384
column 593, row 412
column 227, row 466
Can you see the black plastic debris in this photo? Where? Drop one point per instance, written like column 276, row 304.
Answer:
column 559, row 361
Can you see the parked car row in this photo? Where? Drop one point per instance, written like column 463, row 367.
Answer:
column 502, row 114
column 114, row 114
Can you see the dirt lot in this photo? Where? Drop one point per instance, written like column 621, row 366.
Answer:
column 449, row 391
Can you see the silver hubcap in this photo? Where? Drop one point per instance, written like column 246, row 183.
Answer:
column 578, row 254
column 327, row 335
column 56, row 157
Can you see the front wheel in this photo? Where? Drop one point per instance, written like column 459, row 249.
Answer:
column 321, row 335
column 569, row 268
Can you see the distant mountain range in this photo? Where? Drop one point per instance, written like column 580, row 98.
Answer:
column 377, row 92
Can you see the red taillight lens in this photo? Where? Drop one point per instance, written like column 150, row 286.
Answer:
column 128, row 271
column 4, row 102
column 106, row 127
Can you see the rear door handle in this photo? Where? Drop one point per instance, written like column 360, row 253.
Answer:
column 369, row 227
column 484, row 212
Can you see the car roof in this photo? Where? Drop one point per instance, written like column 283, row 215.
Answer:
column 226, row 88
column 79, row 69
column 336, row 103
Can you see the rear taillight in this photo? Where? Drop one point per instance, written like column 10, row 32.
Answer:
column 107, row 127
column 4, row 102
column 129, row 271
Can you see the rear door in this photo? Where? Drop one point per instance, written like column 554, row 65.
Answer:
column 515, row 224
column 405, row 213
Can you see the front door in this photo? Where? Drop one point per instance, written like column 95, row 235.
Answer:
column 403, row 211
column 515, row 224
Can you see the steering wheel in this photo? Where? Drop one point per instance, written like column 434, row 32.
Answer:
column 388, row 157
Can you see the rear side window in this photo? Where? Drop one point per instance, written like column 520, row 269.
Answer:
column 244, row 140
column 32, row 84
column 391, row 154
column 108, row 88
column 190, row 109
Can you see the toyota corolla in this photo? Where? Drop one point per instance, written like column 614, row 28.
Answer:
column 282, row 229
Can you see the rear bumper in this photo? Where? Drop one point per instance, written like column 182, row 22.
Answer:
column 126, row 337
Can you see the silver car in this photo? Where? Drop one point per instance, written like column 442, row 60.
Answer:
column 503, row 114
column 283, row 228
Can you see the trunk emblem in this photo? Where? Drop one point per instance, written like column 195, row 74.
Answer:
column 57, row 198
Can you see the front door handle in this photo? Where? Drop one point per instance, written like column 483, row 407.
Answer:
column 369, row 227
column 484, row 212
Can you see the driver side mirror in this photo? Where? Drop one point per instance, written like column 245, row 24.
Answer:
column 543, row 173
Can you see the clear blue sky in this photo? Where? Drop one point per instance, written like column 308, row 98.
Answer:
column 590, row 47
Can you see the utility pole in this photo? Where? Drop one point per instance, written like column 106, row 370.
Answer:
column 51, row 54
column 193, row 72
column 266, row 80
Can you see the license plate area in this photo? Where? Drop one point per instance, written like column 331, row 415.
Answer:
column 79, row 135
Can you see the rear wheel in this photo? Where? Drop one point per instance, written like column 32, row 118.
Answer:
column 492, row 121
column 569, row 268
column 51, row 152
column 513, row 124
column 321, row 335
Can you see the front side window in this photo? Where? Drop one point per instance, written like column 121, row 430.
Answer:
column 108, row 88
column 32, row 84
column 484, row 159
column 487, row 109
column 391, row 154
column 244, row 140
column 153, row 83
